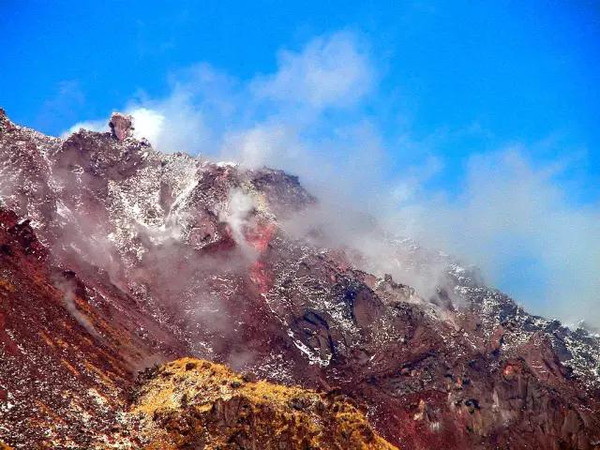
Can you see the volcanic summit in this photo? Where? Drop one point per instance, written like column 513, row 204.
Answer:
column 129, row 277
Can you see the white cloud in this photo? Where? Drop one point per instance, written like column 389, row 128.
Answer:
column 262, row 145
column 175, row 123
column 236, row 214
column 149, row 124
column 92, row 125
column 172, row 124
column 516, row 222
column 330, row 71
column 179, row 121
column 258, row 121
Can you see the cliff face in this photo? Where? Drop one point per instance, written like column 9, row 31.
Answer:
column 115, row 257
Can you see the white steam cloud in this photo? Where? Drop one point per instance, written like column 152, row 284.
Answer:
column 236, row 214
column 67, row 287
column 330, row 72
column 511, row 217
column 516, row 222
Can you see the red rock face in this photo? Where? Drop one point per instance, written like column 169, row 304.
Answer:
column 121, row 126
column 133, row 257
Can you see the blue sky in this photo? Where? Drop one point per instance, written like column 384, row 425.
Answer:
column 439, row 94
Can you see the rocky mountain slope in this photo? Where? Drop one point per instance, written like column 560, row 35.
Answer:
column 115, row 257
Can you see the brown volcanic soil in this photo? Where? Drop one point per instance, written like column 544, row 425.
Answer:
column 64, row 375
column 143, row 260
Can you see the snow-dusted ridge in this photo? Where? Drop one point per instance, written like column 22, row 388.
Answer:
column 191, row 256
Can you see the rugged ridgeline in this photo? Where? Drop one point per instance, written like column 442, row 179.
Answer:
column 115, row 257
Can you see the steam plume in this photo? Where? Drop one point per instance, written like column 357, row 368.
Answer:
column 512, row 217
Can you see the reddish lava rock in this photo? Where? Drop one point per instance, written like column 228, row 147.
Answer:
column 121, row 126
column 115, row 257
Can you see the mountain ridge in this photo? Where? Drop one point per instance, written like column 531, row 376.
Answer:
column 194, row 258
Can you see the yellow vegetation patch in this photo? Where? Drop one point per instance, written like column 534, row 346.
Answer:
column 99, row 372
column 61, row 343
column 47, row 339
column 72, row 369
column 190, row 402
column 51, row 416
column 7, row 286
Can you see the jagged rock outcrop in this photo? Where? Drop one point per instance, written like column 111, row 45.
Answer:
column 121, row 126
column 136, row 256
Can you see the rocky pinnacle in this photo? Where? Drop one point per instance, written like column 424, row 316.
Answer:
column 121, row 126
